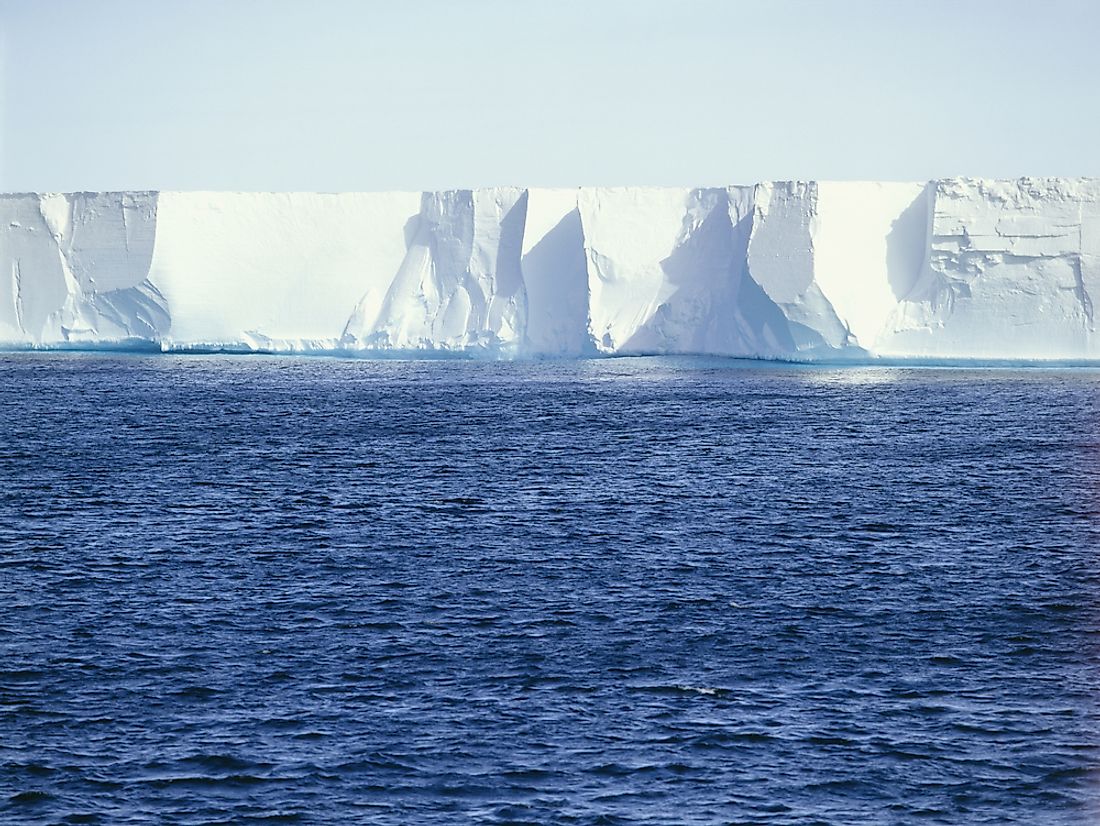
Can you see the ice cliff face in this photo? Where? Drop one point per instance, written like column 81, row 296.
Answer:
column 77, row 267
column 1011, row 270
column 955, row 268
column 459, row 285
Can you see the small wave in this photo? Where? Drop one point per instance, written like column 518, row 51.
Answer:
column 222, row 762
column 30, row 797
column 196, row 692
column 684, row 690
column 210, row 781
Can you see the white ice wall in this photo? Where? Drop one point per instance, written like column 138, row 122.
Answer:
column 956, row 268
column 76, row 268
column 459, row 284
column 869, row 245
column 1010, row 272
column 555, row 275
column 275, row 270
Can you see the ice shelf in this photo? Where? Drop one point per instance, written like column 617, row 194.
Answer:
column 950, row 269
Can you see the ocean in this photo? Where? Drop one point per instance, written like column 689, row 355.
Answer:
column 256, row 589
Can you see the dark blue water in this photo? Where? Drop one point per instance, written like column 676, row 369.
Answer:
column 252, row 590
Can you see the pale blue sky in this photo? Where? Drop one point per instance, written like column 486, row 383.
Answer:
column 417, row 94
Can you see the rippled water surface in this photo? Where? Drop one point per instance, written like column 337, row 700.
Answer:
column 251, row 589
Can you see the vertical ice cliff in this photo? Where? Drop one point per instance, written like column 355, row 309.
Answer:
column 555, row 275
column 728, row 271
column 460, row 285
column 781, row 258
column 869, row 244
column 280, row 271
column 955, row 268
column 1011, row 271
column 78, row 266
column 662, row 269
column 669, row 272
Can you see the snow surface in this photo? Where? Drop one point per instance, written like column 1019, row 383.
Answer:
column 950, row 269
